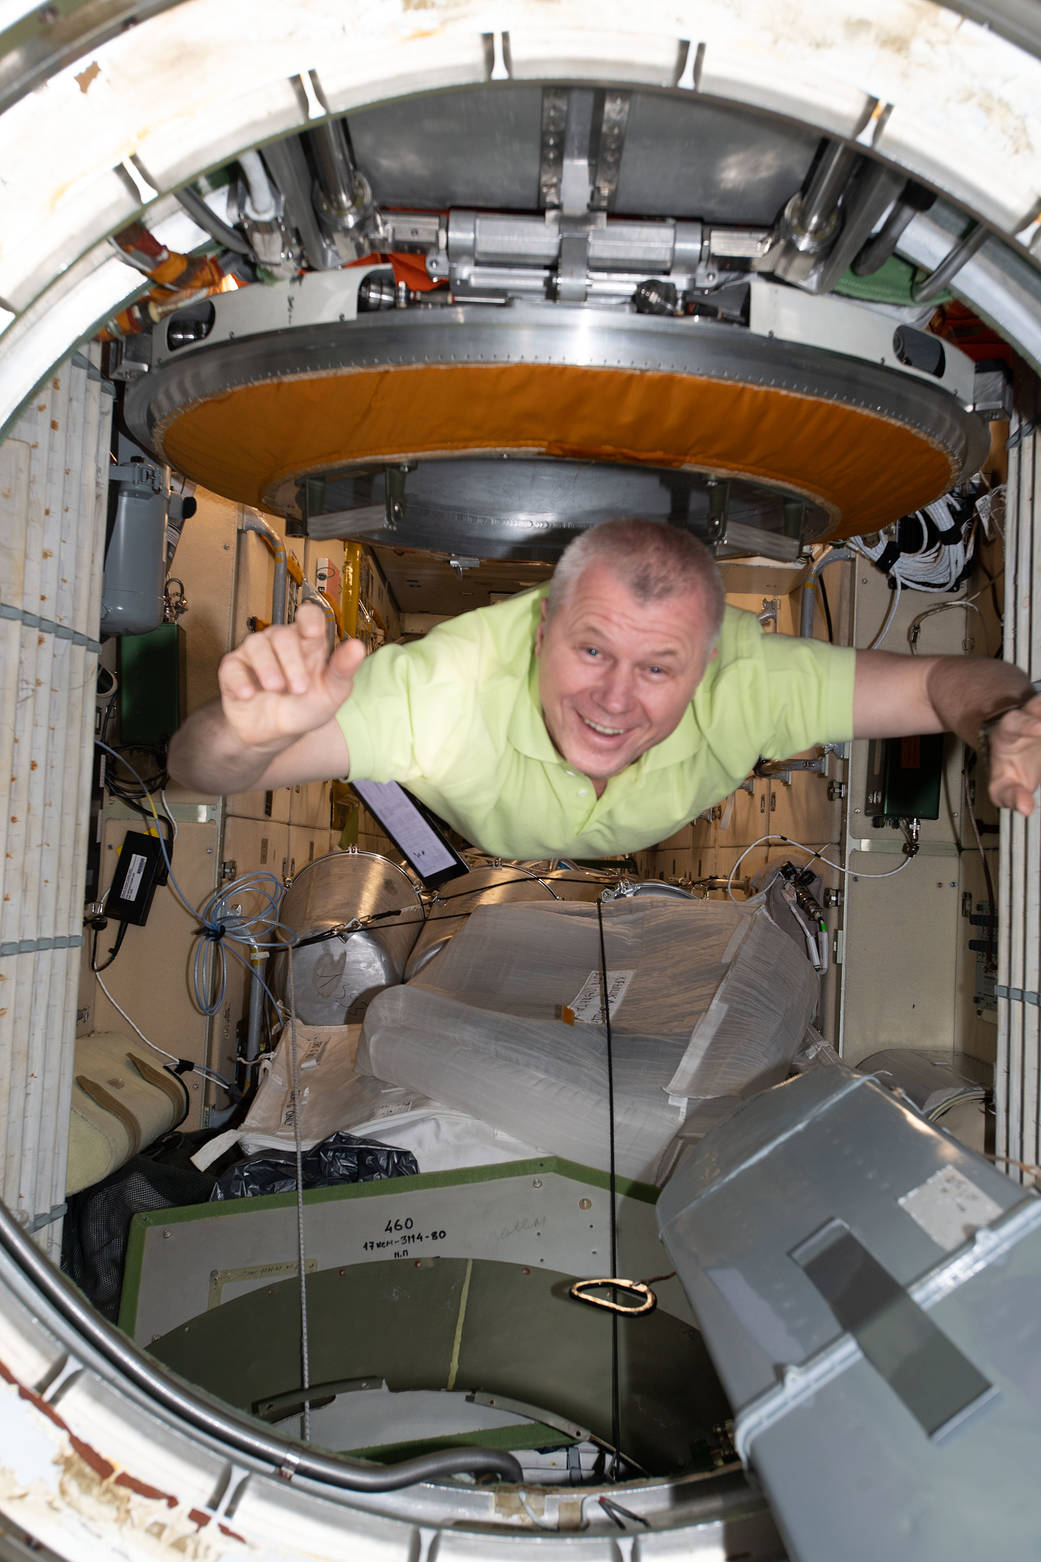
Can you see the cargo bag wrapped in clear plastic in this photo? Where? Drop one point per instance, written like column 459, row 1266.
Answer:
column 331, row 1097
column 707, row 1000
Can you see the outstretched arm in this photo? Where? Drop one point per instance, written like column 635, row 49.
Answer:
column 274, row 724
column 894, row 696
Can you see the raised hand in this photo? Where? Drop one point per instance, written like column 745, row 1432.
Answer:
column 1014, row 757
column 274, row 723
column 281, row 682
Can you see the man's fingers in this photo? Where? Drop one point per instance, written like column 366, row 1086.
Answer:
column 1024, row 724
column 282, row 681
column 235, row 677
column 343, row 664
column 280, row 661
column 310, row 622
column 272, row 661
column 1010, row 789
column 1015, row 758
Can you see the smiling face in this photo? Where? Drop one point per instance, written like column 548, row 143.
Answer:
column 616, row 674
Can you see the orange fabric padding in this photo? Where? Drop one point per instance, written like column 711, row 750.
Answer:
column 407, row 267
column 864, row 468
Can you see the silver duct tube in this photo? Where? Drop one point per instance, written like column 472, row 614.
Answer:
column 260, row 205
column 337, row 174
column 309, row 593
column 279, row 590
column 930, row 287
column 342, row 197
column 811, row 217
column 219, row 231
column 817, row 206
column 874, row 254
column 811, row 223
column 807, row 601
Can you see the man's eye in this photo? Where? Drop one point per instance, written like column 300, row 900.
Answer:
column 590, row 650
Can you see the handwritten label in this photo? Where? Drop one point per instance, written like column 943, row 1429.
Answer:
column 401, row 1236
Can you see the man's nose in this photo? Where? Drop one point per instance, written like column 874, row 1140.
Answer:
column 615, row 689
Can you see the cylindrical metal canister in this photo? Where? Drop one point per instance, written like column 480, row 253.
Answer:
column 335, row 977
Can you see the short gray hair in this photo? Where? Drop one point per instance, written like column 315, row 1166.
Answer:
column 652, row 559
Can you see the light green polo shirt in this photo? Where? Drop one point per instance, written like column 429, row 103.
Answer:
column 456, row 718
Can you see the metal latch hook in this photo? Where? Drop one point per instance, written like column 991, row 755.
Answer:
column 581, row 1290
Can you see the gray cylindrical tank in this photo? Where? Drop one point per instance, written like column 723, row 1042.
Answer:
column 135, row 560
column 335, row 978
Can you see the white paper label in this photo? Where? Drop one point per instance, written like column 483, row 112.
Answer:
column 949, row 1208
column 588, row 1007
column 135, row 873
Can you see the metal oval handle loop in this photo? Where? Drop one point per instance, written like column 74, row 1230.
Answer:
column 581, row 1290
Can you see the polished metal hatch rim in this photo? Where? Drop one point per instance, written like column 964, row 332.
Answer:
column 566, row 335
column 92, row 1364
column 506, row 505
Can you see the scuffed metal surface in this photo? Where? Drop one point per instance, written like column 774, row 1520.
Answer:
column 71, row 1497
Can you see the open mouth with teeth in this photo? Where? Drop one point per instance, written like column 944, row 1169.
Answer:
column 604, row 732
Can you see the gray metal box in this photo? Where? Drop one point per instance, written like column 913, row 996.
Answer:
column 868, row 1290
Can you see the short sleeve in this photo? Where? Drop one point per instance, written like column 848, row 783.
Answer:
column 810, row 691
column 772, row 695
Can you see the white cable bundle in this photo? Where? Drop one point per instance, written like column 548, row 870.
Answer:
column 934, row 567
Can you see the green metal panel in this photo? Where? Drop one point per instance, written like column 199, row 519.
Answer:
column 906, row 779
column 463, row 1324
column 151, row 685
column 520, row 1210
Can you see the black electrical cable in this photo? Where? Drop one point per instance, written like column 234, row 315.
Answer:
column 150, row 814
column 221, row 232
column 344, row 928
column 614, row 1469
column 827, row 608
column 991, row 957
column 177, row 1071
column 113, row 952
column 148, row 787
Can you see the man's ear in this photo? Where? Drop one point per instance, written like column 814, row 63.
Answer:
column 541, row 630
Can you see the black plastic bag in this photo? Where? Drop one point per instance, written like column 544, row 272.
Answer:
column 338, row 1159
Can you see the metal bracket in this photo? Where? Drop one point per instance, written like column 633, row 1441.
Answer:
column 613, row 122
column 782, row 768
column 138, row 474
column 394, row 477
column 551, row 162
column 1018, row 995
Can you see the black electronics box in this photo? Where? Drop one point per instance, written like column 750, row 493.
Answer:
column 140, row 864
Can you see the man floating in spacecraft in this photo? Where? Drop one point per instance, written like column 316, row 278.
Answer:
column 592, row 718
